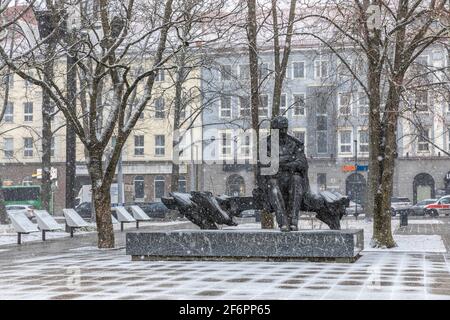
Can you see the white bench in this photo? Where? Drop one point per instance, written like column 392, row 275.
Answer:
column 46, row 222
column 21, row 224
column 123, row 216
column 139, row 215
column 73, row 220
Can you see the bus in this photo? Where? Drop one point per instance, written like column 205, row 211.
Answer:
column 30, row 195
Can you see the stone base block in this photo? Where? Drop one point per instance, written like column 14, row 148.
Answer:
column 271, row 245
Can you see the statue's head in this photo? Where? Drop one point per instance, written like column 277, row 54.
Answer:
column 281, row 123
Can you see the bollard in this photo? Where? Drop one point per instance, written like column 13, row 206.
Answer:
column 403, row 218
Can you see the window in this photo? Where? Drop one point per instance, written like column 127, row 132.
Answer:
column 263, row 106
column 244, row 71
column 422, row 101
column 283, row 105
column 363, row 141
column 298, row 70
column 225, row 144
column 322, row 146
column 52, row 147
column 320, row 69
column 160, row 187
column 8, row 147
column 299, row 104
column 322, row 124
column 322, row 181
column 51, row 111
column 8, row 79
column 344, row 103
column 182, row 112
column 138, row 145
column 300, row 135
column 182, row 184
column 27, row 147
column 345, row 141
column 27, row 181
column 28, row 111
column 244, row 106
column 160, row 75
column 363, row 104
column 9, row 113
column 263, row 71
column 160, row 145
column 27, row 83
column 159, row 108
column 226, row 72
column 139, row 187
column 225, row 107
column 245, row 146
column 422, row 140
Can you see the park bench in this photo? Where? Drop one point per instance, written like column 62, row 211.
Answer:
column 46, row 222
column 73, row 220
column 21, row 224
column 139, row 215
column 123, row 216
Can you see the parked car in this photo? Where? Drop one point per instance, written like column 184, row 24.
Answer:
column 354, row 208
column 442, row 206
column 399, row 204
column 84, row 209
column 25, row 208
column 419, row 208
column 152, row 209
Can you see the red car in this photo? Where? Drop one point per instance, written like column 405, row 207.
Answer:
column 442, row 206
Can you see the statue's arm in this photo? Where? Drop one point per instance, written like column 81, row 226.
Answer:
column 299, row 162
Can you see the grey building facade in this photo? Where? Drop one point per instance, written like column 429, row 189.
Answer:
column 329, row 112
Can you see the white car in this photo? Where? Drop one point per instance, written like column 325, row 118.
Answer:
column 441, row 206
column 399, row 204
column 25, row 208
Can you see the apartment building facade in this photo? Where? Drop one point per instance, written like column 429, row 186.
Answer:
column 329, row 112
column 146, row 157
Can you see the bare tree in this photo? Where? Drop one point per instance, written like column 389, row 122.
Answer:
column 390, row 35
column 281, row 58
column 104, row 57
column 9, row 15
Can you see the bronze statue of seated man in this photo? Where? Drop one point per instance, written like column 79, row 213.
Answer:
column 287, row 191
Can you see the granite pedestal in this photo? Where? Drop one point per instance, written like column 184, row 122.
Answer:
column 312, row 245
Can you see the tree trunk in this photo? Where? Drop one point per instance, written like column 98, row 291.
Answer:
column 46, row 183
column 174, row 184
column 382, row 232
column 375, row 133
column 3, row 215
column 70, row 132
column 178, row 108
column 102, row 201
column 102, row 205
column 254, row 79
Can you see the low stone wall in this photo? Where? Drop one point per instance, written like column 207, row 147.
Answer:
column 315, row 245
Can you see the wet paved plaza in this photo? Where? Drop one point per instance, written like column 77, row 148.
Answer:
column 95, row 274
column 75, row 269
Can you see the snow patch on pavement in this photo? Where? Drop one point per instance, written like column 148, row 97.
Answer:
column 414, row 243
column 434, row 221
